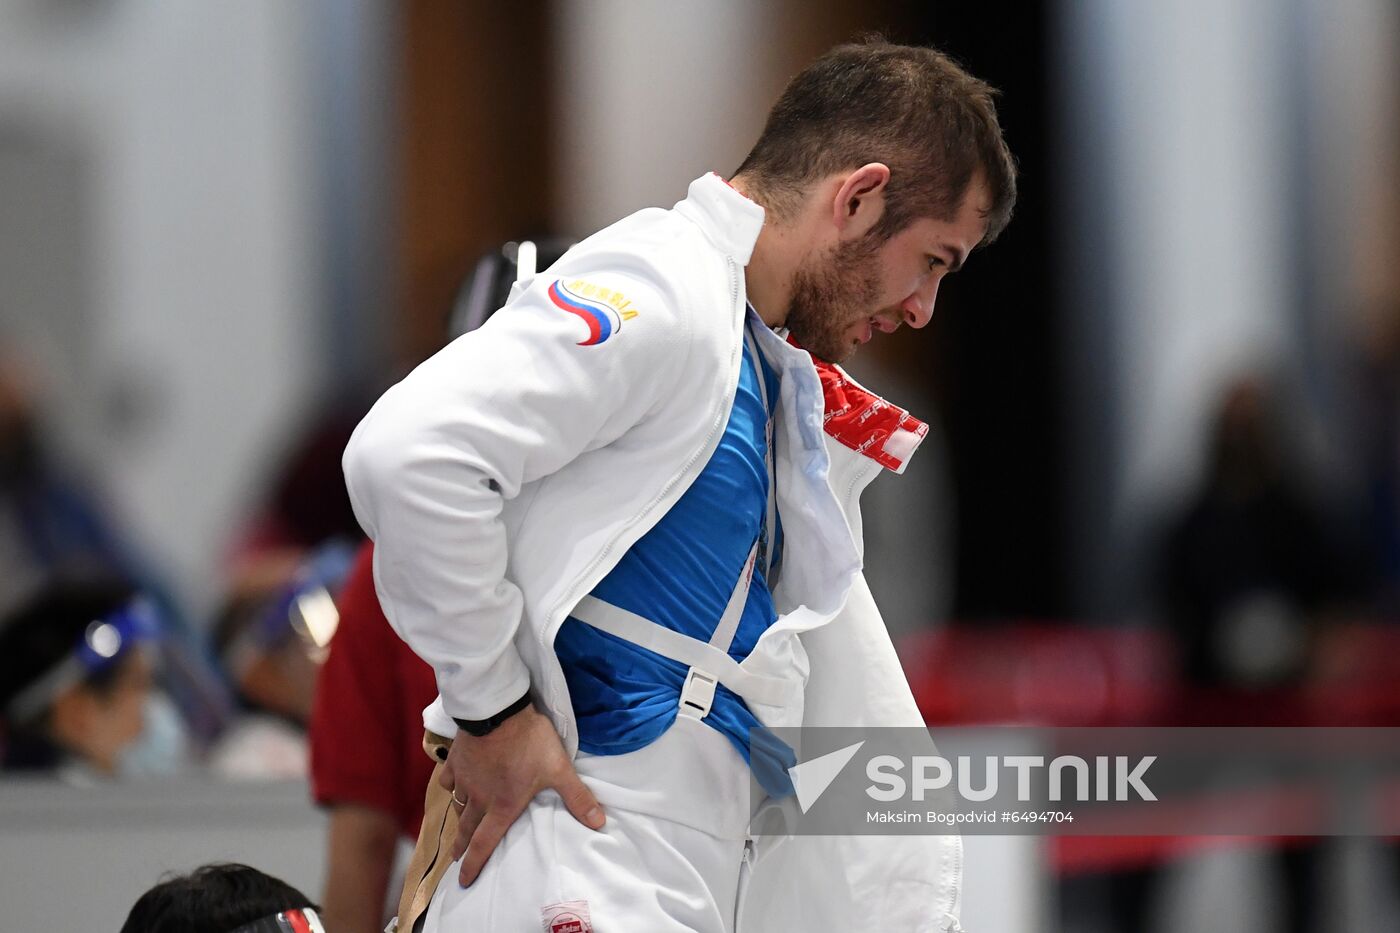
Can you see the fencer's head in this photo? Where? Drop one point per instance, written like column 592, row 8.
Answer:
column 884, row 166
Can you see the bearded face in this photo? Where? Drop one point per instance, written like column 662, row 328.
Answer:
column 832, row 295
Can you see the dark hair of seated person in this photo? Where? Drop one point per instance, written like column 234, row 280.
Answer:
column 213, row 899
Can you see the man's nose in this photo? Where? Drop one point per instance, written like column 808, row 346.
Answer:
column 918, row 307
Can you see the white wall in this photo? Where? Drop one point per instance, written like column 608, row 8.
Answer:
column 1356, row 138
column 653, row 95
column 1189, row 108
column 200, row 254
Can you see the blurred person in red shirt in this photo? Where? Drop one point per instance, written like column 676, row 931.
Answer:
column 367, row 762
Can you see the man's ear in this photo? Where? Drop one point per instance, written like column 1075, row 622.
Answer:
column 860, row 200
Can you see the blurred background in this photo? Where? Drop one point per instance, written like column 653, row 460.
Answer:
column 1162, row 484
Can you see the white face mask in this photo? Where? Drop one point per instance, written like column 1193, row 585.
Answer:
column 163, row 747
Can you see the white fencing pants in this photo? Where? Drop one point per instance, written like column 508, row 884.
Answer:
column 671, row 857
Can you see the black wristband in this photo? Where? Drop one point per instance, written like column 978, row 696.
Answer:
column 480, row 727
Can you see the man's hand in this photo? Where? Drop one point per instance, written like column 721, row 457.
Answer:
column 497, row 775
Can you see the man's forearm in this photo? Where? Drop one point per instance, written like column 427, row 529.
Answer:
column 362, row 842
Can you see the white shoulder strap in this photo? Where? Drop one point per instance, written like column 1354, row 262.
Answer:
column 709, row 664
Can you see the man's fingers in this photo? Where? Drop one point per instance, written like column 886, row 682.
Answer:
column 580, row 800
column 489, row 833
column 467, row 822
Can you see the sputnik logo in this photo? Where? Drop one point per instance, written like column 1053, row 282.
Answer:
column 810, row 779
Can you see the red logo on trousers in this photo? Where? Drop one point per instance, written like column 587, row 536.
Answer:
column 568, row 917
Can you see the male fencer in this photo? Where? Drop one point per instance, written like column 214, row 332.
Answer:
column 620, row 521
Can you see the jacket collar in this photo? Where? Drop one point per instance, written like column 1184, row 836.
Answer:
column 729, row 219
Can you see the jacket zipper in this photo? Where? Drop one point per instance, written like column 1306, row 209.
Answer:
column 573, row 594
column 955, row 892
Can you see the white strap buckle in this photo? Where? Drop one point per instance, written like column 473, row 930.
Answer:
column 698, row 694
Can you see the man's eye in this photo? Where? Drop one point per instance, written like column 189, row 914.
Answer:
column 934, row 262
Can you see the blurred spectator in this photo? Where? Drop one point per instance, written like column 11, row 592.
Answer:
column 272, row 646
column 306, row 518
column 277, row 614
column 308, row 504
column 1250, row 573
column 367, row 762
column 49, row 523
column 1379, row 375
column 306, row 507
column 224, row 898
column 76, row 674
column 52, row 527
column 1250, row 568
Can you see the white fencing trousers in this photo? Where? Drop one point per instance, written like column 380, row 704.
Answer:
column 671, row 857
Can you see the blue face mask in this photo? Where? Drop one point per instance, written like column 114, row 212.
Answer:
column 163, row 747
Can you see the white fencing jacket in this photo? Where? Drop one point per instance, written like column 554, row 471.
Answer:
column 506, row 476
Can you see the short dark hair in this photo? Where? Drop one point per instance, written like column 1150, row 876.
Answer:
column 212, row 899
column 912, row 108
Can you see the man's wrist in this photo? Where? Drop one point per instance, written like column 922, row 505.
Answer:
column 480, row 727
